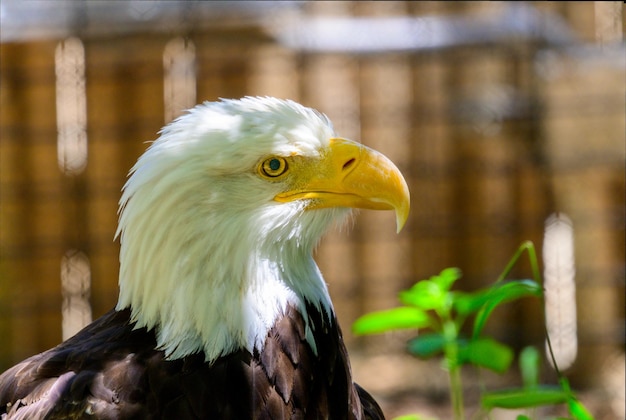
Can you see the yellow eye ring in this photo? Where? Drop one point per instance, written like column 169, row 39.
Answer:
column 273, row 167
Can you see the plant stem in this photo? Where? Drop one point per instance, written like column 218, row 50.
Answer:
column 451, row 351
column 529, row 247
column 457, row 391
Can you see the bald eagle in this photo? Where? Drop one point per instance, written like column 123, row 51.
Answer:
column 222, row 312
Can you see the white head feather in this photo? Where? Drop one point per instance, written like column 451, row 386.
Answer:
column 208, row 258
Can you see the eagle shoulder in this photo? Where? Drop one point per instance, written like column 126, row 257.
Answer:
column 94, row 369
column 110, row 370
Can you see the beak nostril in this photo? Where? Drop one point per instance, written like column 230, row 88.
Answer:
column 348, row 164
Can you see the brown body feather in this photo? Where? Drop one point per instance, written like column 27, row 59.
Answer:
column 111, row 371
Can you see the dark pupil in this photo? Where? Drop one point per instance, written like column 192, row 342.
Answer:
column 274, row 164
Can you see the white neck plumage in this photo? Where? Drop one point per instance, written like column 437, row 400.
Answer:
column 217, row 281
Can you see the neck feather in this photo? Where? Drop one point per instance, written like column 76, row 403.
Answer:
column 219, row 285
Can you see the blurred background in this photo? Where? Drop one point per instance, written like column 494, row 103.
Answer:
column 507, row 119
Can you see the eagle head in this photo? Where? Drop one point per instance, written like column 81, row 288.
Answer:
column 221, row 214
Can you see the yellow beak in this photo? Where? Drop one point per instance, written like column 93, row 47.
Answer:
column 349, row 174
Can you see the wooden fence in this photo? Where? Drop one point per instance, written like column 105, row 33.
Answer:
column 492, row 137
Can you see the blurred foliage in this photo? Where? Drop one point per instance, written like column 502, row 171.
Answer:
column 432, row 306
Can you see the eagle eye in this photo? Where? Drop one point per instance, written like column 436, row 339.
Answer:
column 273, row 167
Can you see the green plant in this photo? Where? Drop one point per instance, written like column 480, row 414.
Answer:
column 431, row 305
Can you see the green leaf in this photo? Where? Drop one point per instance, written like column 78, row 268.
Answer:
column 467, row 303
column 414, row 417
column 487, row 353
column 431, row 294
column 578, row 410
column 391, row 319
column 447, row 277
column 529, row 366
column 426, row 345
column 407, row 417
column 501, row 293
column 425, row 295
column 524, row 398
